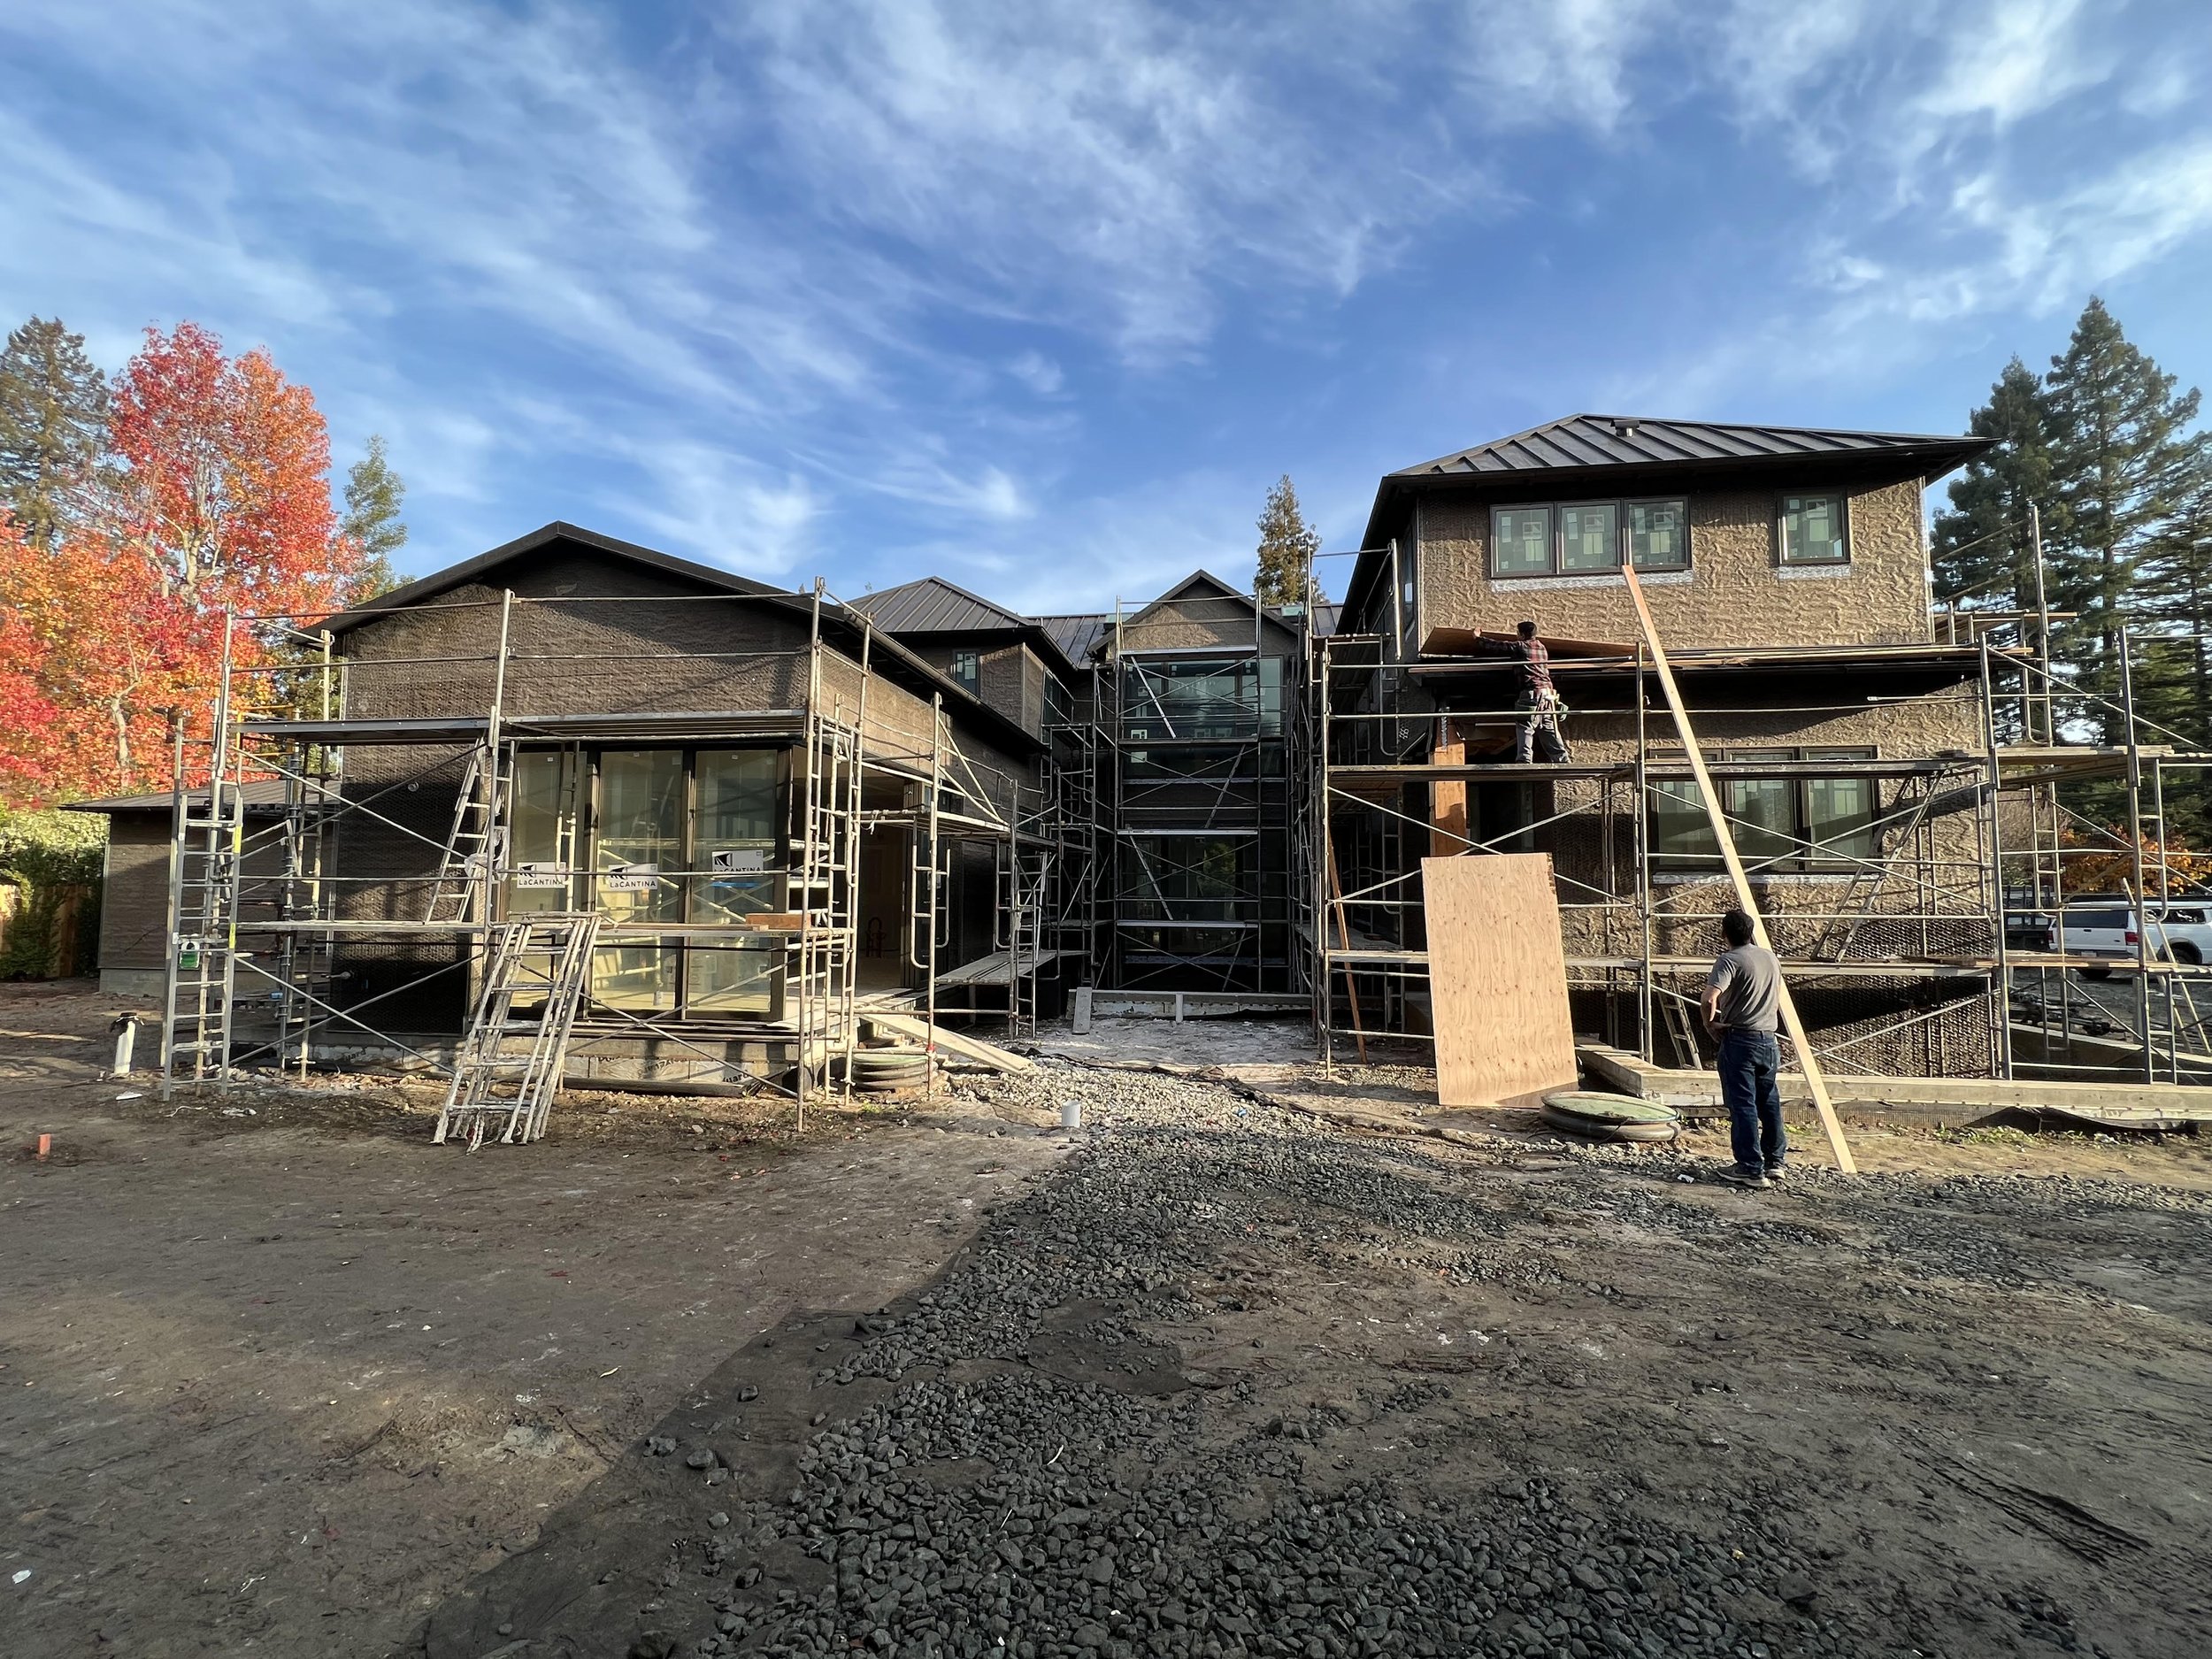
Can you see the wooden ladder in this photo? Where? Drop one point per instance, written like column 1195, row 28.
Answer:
column 484, row 1067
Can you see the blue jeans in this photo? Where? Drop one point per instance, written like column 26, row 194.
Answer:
column 1748, row 1063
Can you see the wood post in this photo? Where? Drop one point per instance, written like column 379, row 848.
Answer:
column 1806, row 1061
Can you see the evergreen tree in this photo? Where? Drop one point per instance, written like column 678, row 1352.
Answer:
column 371, row 522
column 1983, row 547
column 53, row 425
column 1286, row 548
column 2123, row 464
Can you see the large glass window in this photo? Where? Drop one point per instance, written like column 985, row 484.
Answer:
column 1840, row 811
column 1228, row 699
column 1589, row 536
column 1658, row 534
column 967, row 672
column 1520, row 540
column 1812, row 530
column 1762, row 812
column 1681, row 834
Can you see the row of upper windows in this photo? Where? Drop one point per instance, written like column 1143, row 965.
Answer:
column 1589, row 538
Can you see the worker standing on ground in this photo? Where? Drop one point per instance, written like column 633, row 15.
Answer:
column 1538, row 700
column 1742, row 995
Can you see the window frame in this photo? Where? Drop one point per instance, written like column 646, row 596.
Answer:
column 1782, row 559
column 1803, row 859
column 966, row 671
column 1555, row 511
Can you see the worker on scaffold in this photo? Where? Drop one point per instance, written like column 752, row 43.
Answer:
column 1538, row 701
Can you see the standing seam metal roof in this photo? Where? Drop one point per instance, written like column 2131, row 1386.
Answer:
column 934, row 605
column 1636, row 441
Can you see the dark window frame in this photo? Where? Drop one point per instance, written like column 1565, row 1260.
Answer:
column 967, row 672
column 1802, row 859
column 1554, row 568
column 1782, row 560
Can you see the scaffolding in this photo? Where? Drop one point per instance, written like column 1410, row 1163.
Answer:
column 346, row 866
column 1194, row 817
column 1907, row 931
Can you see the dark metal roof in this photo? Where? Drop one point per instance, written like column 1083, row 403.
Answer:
column 1584, row 441
column 1076, row 637
column 1594, row 453
column 934, row 605
column 261, row 794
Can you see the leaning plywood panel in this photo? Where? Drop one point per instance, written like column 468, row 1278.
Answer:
column 1497, row 979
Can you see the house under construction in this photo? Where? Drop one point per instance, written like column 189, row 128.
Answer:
column 577, row 810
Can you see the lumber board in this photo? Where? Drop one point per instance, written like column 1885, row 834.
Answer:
column 1808, row 1063
column 951, row 1041
column 1497, row 979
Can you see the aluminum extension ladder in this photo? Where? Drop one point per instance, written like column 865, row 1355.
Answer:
column 484, row 1067
column 470, row 844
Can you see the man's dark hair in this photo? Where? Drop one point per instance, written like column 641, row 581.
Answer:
column 1737, row 928
column 1528, row 630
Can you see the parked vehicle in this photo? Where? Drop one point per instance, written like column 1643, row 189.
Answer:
column 2030, row 930
column 2095, row 927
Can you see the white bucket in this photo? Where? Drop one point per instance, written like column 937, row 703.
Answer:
column 1070, row 1114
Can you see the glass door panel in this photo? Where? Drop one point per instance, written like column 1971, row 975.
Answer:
column 734, row 874
column 637, row 847
column 541, row 863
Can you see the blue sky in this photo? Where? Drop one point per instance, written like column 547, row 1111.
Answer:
column 1043, row 297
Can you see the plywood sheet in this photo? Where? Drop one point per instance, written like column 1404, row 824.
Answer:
column 1497, row 979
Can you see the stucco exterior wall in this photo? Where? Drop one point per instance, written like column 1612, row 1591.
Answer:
column 1734, row 593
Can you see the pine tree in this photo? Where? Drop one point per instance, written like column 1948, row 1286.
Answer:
column 1286, row 548
column 371, row 522
column 1983, row 547
column 53, row 425
column 2122, row 465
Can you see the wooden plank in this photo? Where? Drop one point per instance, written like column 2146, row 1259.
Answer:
column 1806, row 1061
column 1448, row 802
column 951, row 1041
column 1497, row 979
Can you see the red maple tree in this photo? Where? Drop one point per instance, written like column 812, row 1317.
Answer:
column 218, row 513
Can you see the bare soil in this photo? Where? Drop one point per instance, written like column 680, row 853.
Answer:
column 278, row 1376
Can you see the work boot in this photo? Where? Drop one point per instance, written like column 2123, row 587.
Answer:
column 1744, row 1176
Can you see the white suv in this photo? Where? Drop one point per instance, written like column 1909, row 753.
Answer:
column 2095, row 927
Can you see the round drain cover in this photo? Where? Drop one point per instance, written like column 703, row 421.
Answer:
column 1610, row 1117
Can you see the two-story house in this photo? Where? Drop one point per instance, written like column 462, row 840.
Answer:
column 1787, row 570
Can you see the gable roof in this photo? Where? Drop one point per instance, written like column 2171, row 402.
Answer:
column 544, row 536
column 841, row 624
column 1600, row 441
column 934, row 605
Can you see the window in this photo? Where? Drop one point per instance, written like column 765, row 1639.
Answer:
column 1589, row 538
column 653, row 837
column 1658, row 534
column 1521, row 541
column 1811, row 529
column 967, row 672
column 1778, row 824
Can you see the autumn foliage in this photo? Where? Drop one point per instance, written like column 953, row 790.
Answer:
column 217, row 501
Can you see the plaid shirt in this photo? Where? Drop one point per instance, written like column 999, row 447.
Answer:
column 1535, row 665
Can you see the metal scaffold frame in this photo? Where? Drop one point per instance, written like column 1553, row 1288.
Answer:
column 1233, row 785
column 261, row 910
column 2006, row 839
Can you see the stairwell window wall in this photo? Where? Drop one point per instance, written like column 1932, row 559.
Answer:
column 1589, row 538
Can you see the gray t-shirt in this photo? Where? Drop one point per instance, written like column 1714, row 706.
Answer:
column 1750, row 982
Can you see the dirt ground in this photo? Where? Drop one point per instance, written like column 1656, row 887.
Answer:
column 277, row 1376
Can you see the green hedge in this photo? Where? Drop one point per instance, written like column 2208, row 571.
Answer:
column 52, row 860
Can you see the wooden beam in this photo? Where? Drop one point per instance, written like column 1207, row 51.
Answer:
column 1805, row 1061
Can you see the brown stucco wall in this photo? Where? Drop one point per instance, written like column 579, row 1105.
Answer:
column 1733, row 594
column 135, row 893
